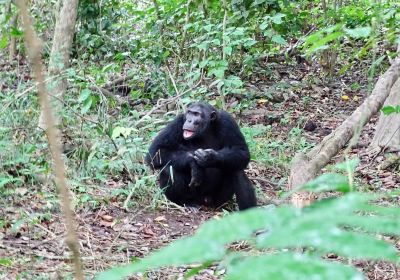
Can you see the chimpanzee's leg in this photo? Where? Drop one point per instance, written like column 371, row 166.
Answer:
column 197, row 173
column 237, row 183
column 176, row 186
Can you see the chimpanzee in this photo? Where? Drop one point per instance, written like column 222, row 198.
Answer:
column 202, row 156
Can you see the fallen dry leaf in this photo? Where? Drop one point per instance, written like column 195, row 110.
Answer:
column 107, row 218
column 160, row 219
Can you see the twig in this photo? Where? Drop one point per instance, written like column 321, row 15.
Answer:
column 120, row 80
column 264, row 181
column 163, row 101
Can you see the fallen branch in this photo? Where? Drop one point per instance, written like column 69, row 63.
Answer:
column 306, row 166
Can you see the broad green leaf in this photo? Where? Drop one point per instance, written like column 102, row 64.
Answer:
column 228, row 50
column 119, row 130
column 87, row 104
column 217, row 72
column 249, row 42
column 322, row 42
column 3, row 42
column 264, row 25
column 290, row 267
column 279, row 39
column 359, row 32
column 84, row 95
column 203, row 46
column 387, row 110
column 5, row 262
column 216, row 42
column 203, row 63
column 277, row 19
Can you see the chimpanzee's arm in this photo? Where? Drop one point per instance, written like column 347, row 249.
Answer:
column 234, row 154
column 165, row 149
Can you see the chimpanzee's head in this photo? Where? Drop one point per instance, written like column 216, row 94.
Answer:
column 198, row 118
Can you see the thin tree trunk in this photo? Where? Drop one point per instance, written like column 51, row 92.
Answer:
column 306, row 167
column 13, row 23
column 182, row 45
column 33, row 46
column 60, row 53
column 12, row 45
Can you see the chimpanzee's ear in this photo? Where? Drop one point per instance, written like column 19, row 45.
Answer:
column 213, row 116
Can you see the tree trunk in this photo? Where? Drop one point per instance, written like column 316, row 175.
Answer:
column 12, row 45
column 306, row 167
column 60, row 53
column 387, row 133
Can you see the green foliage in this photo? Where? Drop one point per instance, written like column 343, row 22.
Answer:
column 387, row 110
column 318, row 228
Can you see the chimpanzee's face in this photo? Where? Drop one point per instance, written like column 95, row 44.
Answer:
column 197, row 120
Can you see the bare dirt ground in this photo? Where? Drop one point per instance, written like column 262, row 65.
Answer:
column 110, row 235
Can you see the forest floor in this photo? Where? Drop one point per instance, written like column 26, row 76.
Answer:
column 111, row 235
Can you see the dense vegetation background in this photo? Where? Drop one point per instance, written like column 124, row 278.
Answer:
column 289, row 71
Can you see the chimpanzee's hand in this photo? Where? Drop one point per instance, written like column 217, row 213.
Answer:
column 205, row 158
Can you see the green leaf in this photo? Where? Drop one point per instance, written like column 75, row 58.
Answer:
column 315, row 37
column 359, row 32
column 228, row 50
column 216, row 42
column 244, row 223
column 217, row 72
column 203, row 46
column 377, row 224
column 322, row 42
column 84, row 95
column 328, row 182
column 349, row 164
column 278, row 39
column 5, row 262
column 249, row 42
column 15, row 32
column 119, row 130
column 3, row 42
column 181, row 252
column 87, row 104
column 6, row 180
column 207, row 245
column 264, row 25
column 296, row 267
column 387, row 110
column 277, row 19
column 325, row 237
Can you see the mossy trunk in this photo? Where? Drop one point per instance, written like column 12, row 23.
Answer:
column 60, row 54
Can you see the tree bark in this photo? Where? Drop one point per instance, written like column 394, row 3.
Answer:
column 387, row 133
column 306, row 167
column 12, row 45
column 60, row 53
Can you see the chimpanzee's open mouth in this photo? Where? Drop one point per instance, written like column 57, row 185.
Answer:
column 187, row 133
